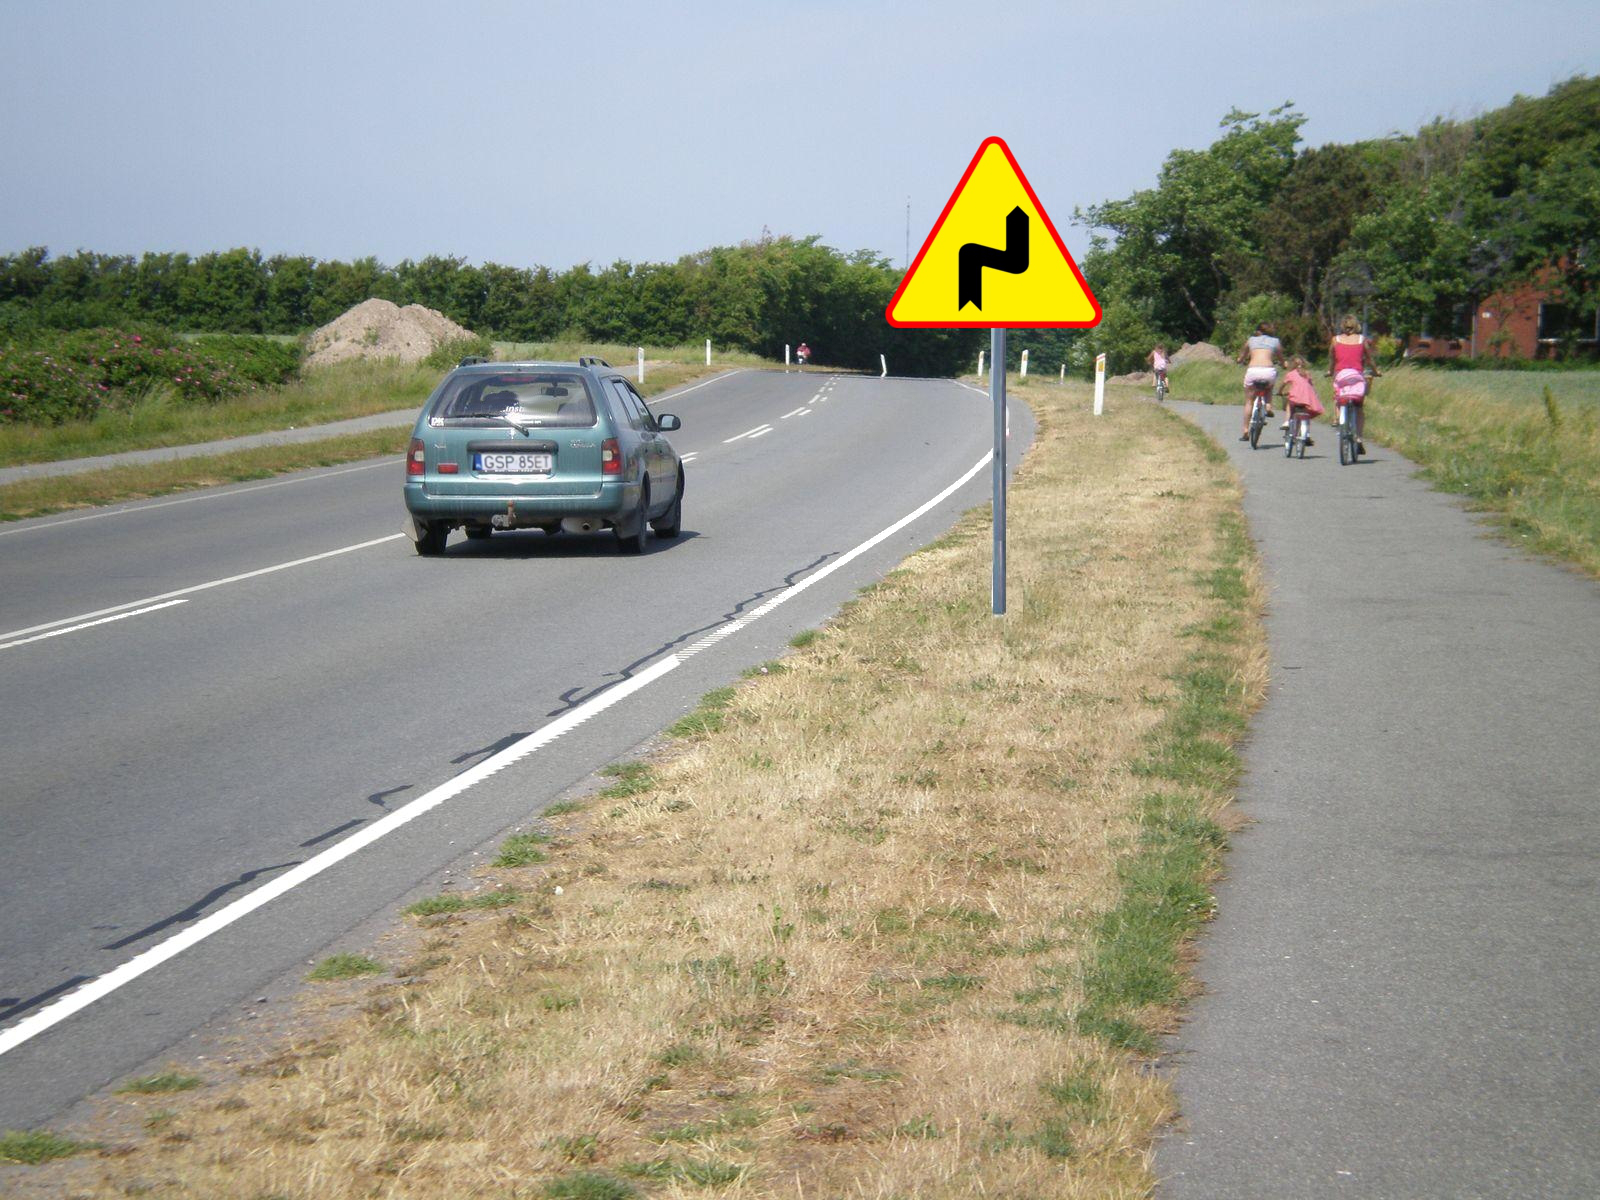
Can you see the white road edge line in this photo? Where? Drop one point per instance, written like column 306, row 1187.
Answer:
column 697, row 387
column 103, row 985
column 138, row 612
column 198, row 587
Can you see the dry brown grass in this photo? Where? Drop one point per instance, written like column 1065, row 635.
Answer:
column 793, row 966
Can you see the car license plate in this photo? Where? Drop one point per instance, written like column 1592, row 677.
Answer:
column 513, row 464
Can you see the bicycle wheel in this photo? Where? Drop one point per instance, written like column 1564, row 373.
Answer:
column 1347, row 449
column 1256, row 422
column 1288, row 443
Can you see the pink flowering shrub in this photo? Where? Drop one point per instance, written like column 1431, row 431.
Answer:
column 56, row 377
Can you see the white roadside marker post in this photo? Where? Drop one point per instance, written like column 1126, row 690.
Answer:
column 786, row 356
column 884, row 363
column 708, row 352
column 641, row 364
column 1099, row 384
column 1063, row 372
column 980, row 364
column 1024, row 364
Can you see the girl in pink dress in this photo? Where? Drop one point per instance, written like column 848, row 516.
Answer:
column 1299, row 395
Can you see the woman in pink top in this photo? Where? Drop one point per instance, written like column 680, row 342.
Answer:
column 1350, row 360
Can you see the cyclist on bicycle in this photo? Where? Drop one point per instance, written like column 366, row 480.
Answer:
column 802, row 353
column 1352, row 365
column 1157, row 359
column 1261, row 354
column 1300, row 397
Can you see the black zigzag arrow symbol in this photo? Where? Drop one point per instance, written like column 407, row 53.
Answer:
column 974, row 257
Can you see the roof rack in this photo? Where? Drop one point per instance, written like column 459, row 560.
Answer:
column 590, row 360
column 472, row 360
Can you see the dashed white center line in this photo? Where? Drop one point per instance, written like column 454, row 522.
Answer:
column 794, row 413
column 756, row 432
column 138, row 612
column 761, row 433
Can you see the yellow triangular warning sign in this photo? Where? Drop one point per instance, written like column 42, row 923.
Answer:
column 993, row 259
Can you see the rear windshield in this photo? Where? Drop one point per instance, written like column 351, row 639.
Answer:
column 548, row 398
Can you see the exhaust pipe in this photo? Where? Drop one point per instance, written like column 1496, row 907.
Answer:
column 580, row 524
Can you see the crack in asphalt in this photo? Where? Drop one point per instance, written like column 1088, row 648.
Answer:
column 581, row 693
column 199, row 906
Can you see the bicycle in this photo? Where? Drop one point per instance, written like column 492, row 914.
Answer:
column 1299, row 433
column 1349, row 443
column 1260, row 403
column 1161, row 387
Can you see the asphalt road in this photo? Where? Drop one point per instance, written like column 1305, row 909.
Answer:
column 1403, row 981
column 158, row 765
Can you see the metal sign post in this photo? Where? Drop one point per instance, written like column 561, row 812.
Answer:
column 997, row 394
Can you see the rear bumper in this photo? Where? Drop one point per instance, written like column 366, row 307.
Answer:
column 612, row 501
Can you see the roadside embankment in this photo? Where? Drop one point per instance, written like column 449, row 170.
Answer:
column 902, row 915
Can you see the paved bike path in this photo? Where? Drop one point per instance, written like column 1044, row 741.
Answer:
column 1403, row 980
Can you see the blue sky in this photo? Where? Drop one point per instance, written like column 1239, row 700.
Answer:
column 558, row 133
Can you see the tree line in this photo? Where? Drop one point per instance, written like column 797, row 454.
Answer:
column 1407, row 231
column 757, row 296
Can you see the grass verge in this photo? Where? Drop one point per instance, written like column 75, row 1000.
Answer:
column 41, row 497
column 901, row 919
column 1524, row 446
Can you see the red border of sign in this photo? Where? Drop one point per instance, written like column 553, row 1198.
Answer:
column 939, row 224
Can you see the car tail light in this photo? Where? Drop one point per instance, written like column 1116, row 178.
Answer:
column 449, row 468
column 610, row 457
column 415, row 459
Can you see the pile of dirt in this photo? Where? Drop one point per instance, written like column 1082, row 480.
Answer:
column 1199, row 352
column 382, row 329
column 1144, row 377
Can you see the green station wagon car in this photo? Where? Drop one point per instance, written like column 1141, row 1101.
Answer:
column 553, row 446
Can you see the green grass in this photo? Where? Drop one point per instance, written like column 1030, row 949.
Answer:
column 40, row 497
column 1132, row 967
column 32, row 1147
column 344, row 966
column 632, row 779
column 562, row 808
column 356, row 389
column 1528, row 455
column 454, row 902
column 522, row 850
column 588, row 1185
column 167, row 1081
column 709, row 717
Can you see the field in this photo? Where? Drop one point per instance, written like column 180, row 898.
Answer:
column 1489, row 435
column 902, row 915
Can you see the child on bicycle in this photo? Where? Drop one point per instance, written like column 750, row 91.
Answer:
column 1157, row 359
column 1299, row 395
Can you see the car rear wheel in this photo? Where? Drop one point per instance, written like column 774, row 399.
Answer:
column 638, row 528
column 434, row 534
column 669, row 523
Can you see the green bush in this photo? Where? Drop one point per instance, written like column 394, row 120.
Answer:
column 259, row 361
column 37, row 387
column 48, row 377
column 447, row 354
